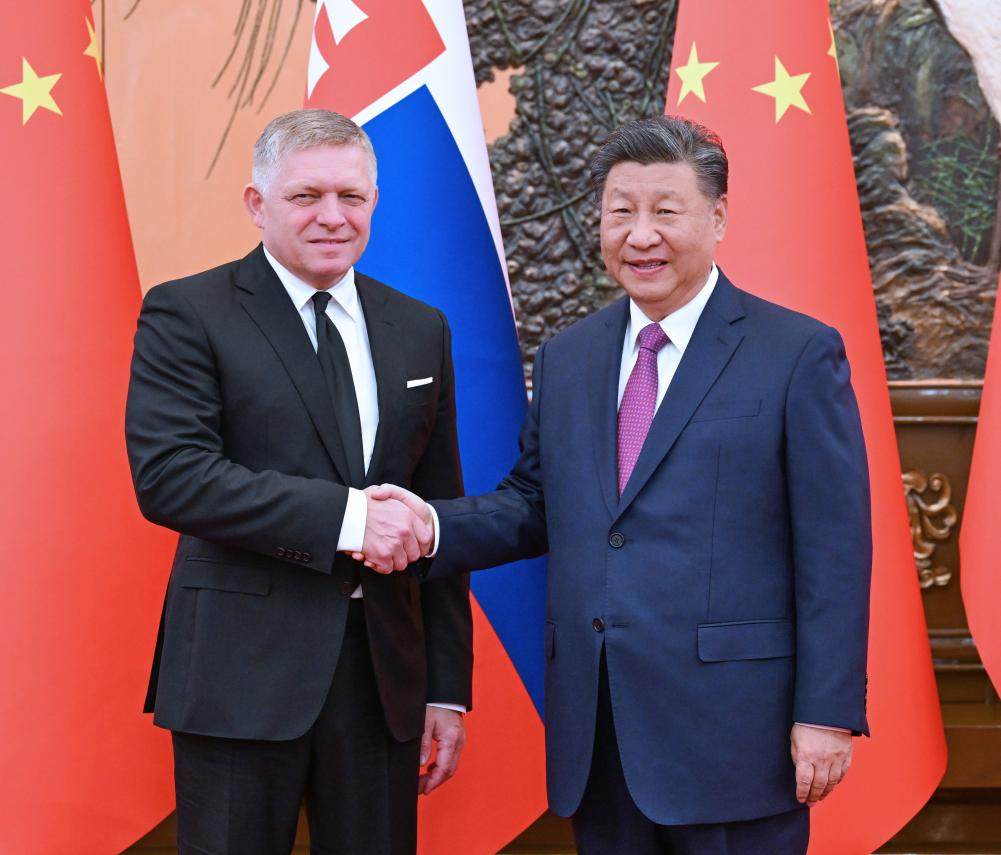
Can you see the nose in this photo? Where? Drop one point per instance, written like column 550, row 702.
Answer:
column 329, row 213
column 643, row 233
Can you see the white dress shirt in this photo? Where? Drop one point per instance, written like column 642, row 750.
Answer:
column 345, row 311
column 677, row 326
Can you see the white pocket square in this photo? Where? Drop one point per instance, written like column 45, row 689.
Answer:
column 422, row 382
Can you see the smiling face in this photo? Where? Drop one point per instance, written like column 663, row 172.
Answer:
column 659, row 233
column 316, row 213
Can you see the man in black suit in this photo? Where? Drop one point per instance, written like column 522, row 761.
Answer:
column 266, row 394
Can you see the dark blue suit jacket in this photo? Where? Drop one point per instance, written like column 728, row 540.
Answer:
column 730, row 582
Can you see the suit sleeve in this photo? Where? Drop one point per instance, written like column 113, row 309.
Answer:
column 448, row 621
column 183, row 479
column 828, row 484
column 509, row 524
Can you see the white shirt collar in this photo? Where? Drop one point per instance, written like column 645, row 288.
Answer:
column 679, row 326
column 344, row 291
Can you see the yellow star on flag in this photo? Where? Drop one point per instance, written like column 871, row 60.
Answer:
column 94, row 49
column 785, row 89
column 832, row 51
column 34, row 91
column 692, row 76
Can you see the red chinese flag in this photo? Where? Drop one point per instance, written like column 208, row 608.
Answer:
column 765, row 77
column 83, row 770
column 980, row 578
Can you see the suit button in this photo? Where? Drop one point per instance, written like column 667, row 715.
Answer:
column 616, row 540
column 347, row 588
column 280, row 552
column 598, row 624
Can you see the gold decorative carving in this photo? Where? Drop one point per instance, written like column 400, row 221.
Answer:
column 932, row 521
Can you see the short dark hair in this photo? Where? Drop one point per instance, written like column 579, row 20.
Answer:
column 664, row 139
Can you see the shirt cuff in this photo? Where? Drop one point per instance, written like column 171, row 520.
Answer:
column 824, row 727
column 459, row 708
column 352, row 536
column 434, row 523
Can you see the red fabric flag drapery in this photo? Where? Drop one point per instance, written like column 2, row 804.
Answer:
column 765, row 77
column 83, row 575
column 980, row 576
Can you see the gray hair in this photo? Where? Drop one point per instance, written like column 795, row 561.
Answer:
column 664, row 139
column 301, row 129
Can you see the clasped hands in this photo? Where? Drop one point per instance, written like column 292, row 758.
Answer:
column 398, row 529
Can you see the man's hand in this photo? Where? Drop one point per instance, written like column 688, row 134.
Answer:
column 394, row 536
column 821, row 757
column 411, row 500
column 444, row 729
column 423, row 527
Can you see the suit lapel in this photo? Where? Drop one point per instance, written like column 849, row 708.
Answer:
column 268, row 304
column 603, row 392
column 389, row 362
column 708, row 352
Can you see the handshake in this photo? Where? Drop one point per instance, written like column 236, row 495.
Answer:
column 399, row 529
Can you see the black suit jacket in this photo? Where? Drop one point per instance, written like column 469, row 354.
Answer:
column 233, row 442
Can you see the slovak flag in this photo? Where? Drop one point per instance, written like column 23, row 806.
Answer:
column 402, row 70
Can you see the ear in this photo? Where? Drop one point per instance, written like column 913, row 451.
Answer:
column 720, row 215
column 253, row 201
column 375, row 197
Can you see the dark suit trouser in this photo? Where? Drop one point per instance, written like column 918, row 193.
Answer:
column 242, row 797
column 609, row 823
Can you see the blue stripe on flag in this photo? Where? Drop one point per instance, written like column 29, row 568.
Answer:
column 430, row 238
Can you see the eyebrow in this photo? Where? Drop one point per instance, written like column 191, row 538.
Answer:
column 623, row 194
column 308, row 186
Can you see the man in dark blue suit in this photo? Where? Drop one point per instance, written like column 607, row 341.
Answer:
column 693, row 462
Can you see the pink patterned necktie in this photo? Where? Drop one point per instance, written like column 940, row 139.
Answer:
column 639, row 401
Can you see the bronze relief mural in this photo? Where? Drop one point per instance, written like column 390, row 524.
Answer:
column 586, row 67
column 925, row 146
column 924, row 140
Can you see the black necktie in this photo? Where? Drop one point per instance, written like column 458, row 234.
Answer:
column 337, row 370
